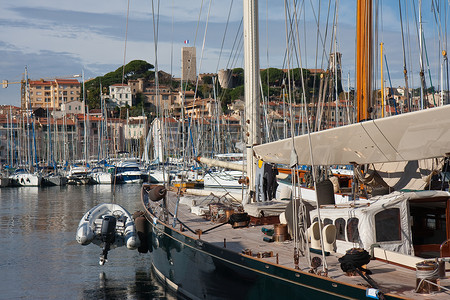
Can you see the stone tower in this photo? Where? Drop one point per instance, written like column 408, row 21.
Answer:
column 188, row 64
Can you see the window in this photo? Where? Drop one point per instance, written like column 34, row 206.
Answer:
column 352, row 230
column 327, row 221
column 70, row 107
column 340, row 229
column 387, row 225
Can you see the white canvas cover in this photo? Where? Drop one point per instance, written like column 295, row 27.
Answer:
column 365, row 211
column 409, row 175
column 411, row 136
column 157, row 140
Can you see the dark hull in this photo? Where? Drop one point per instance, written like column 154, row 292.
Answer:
column 197, row 269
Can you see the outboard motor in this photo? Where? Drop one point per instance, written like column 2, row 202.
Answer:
column 108, row 236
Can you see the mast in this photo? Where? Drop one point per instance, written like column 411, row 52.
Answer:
column 422, row 78
column 382, row 85
column 252, row 96
column 364, row 53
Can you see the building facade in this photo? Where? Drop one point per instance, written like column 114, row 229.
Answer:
column 51, row 93
column 120, row 94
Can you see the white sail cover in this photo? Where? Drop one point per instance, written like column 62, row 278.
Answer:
column 145, row 157
column 411, row 136
column 157, row 140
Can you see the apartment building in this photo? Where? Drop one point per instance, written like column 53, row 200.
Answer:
column 51, row 93
column 120, row 94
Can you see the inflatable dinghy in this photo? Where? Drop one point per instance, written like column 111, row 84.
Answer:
column 108, row 226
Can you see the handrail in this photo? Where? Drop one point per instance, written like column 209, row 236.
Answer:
column 442, row 245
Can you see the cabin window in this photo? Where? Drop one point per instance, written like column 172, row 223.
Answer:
column 352, row 230
column 340, row 229
column 387, row 225
column 327, row 221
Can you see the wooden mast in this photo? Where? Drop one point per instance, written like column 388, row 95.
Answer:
column 364, row 54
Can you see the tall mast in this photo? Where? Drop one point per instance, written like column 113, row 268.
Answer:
column 364, row 53
column 422, row 76
column 252, row 79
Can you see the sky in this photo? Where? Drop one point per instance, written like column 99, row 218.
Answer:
column 55, row 38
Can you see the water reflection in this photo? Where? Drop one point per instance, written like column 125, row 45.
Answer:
column 42, row 260
column 143, row 287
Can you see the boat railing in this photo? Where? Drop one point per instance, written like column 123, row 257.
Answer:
column 444, row 248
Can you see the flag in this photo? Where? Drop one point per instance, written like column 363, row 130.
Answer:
column 186, row 41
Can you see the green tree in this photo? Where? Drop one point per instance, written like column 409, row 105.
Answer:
column 133, row 70
column 275, row 76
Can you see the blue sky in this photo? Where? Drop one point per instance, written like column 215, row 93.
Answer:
column 58, row 38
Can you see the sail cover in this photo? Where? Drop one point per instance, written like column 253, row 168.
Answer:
column 157, row 140
column 411, row 136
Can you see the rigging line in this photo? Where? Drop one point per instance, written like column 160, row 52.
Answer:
column 437, row 19
column 298, row 55
column 405, row 72
column 304, row 32
column 286, row 10
column 236, row 39
column 326, row 34
column 238, row 50
column 160, row 112
column 267, row 45
column 197, row 77
column 336, row 6
column 390, row 83
column 317, row 49
column 125, row 47
column 419, row 38
column 311, row 153
column 198, row 22
column 408, row 35
column 224, row 35
column 319, row 35
column 171, row 48
column 203, row 50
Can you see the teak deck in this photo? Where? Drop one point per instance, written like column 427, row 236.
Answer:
column 390, row 278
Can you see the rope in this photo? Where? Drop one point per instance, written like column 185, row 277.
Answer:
column 428, row 274
column 435, row 284
column 125, row 47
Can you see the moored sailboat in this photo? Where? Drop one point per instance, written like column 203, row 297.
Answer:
column 228, row 260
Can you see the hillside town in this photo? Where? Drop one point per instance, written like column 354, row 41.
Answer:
column 55, row 121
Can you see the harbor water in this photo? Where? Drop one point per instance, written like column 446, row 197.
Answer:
column 40, row 258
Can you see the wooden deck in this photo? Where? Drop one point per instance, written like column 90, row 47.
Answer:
column 390, row 278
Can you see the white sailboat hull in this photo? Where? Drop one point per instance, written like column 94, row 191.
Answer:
column 27, row 179
column 102, row 178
